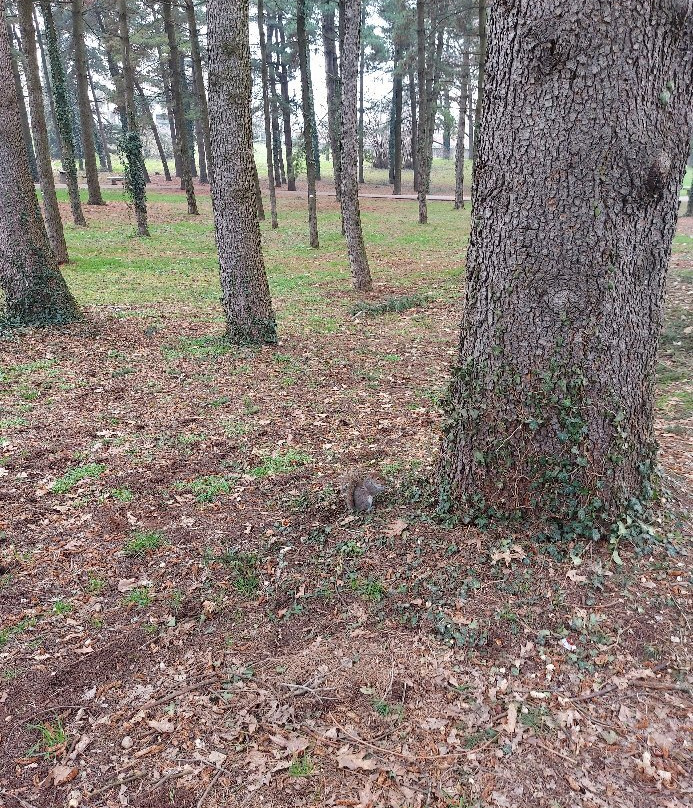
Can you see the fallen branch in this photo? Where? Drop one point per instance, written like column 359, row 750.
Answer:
column 118, row 781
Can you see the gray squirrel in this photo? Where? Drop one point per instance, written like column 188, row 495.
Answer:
column 359, row 491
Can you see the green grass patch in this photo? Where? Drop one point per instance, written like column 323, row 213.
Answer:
column 76, row 475
column 144, row 542
column 207, row 489
column 52, row 739
column 281, row 463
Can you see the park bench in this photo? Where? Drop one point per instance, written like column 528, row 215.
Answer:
column 116, row 180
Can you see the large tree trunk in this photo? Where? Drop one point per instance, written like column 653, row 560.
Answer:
column 164, row 72
column 459, row 150
column 85, row 117
column 181, row 144
column 51, row 211
column 154, row 129
column 23, row 116
column 329, row 42
column 266, row 114
column 131, row 143
column 362, row 71
column 200, row 93
column 575, row 200
column 358, row 260
column 245, row 291
column 35, row 291
column 427, row 112
column 63, row 113
column 286, row 107
column 308, row 135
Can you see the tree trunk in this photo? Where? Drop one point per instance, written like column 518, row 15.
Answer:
column 51, row 211
column 266, row 114
column 397, row 104
column 200, row 93
column 329, row 41
column 245, row 291
column 551, row 413
column 279, row 172
column 35, row 291
column 447, row 124
column 181, row 144
column 358, row 260
column 23, row 116
column 189, row 114
column 459, row 150
column 165, row 72
column 470, row 119
column 104, row 155
column 482, row 70
column 304, row 66
column 64, row 117
column 258, row 191
column 86, row 120
column 286, row 107
column 414, row 127
column 48, row 93
column 362, row 70
column 146, row 108
column 428, row 111
column 131, row 143
column 201, row 155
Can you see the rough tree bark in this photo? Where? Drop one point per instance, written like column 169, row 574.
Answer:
column 131, row 143
column 414, row 125
column 266, row 114
column 362, row 71
column 63, row 115
column 397, row 103
column 51, row 211
column 286, row 106
column 482, row 70
column 23, row 116
column 35, row 291
column 48, row 93
column 459, row 149
column 181, row 143
column 329, row 42
column 584, row 136
column 245, row 291
column 351, row 215
column 308, row 134
column 84, row 105
column 279, row 170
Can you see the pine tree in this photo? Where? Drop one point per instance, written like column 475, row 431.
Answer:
column 245, row 290
column 308, row 121
column 35, row 291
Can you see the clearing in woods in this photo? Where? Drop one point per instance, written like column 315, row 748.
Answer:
column 187, row 614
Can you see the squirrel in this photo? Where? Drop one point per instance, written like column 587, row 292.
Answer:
column 359, row 491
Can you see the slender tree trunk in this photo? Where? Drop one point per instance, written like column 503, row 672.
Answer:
column 201, row 155
column 266, row 114
column 459, row 150
column 48, row 94
column 35, row 291
column 245, row 291
column 414, row 127
column 304, row 66
column 104, row 155
column 421, row 84
column 51, row 211
column 181, row 144
column 279, row 172
column 189, row 115
column 131, row 143
column 62, row 107
column 482, row 69
column 470, row 120
column 329, row 41
column 551, row 414
column 362, row 70
column 164, row 72
column 314, row 125
column 146, row 108
column 397, row 104
column 286, row 107
column 258, row 191
column 200, row 93
column 358, row 260
column 447, row 124
column 86, row 120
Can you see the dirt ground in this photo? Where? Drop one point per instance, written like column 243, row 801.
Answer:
column 189, row 618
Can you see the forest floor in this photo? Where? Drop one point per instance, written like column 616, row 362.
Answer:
column 189, row 618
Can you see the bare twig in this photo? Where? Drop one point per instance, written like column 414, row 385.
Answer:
column 118, row 781
column 211, row 785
